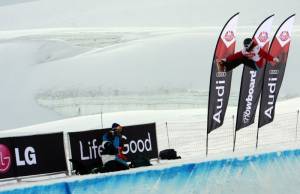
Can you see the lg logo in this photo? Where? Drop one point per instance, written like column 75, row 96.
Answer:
column 5, row 159
column 27, row 157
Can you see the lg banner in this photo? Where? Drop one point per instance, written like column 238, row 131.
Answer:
column 141, row 139
column 32, row 155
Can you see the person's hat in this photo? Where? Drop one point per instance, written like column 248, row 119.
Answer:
column 115, row 125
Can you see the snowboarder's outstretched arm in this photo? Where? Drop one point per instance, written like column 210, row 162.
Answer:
column 235, row 56
column 231, row 62
column 230, row 58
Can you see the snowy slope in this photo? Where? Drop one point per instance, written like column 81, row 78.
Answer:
column 59, row 56
column 49, row 74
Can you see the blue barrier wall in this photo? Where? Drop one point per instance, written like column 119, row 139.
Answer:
column 277, row 172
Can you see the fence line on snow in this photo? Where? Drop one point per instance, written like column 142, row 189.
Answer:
column 190, row 137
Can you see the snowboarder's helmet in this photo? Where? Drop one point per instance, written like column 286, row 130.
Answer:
column 247, row 43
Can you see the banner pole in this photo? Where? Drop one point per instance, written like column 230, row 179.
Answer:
column 206, row 144
column 257, row 137
column 234, row 133
column 158, row 158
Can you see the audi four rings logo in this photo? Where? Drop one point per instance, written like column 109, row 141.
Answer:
column 273, row 71
column 263, row 36
column 221, row 74
column 284, row 36
column 229, row 36
column 5, row 159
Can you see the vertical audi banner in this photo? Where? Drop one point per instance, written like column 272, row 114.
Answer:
column 252, row 80
column 220, row 82
column 273, row 75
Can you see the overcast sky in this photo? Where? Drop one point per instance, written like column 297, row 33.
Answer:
column 24, row 14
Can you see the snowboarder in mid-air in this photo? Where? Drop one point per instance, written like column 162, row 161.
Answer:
column 252, row 55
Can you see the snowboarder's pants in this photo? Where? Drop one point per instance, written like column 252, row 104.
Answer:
column 233, row 64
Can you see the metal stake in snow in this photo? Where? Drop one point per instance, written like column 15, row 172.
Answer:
column 101, row 120
column 234, row 133
column 297, row 125
column 206, row 144
column 257, row 137
column 168, row 134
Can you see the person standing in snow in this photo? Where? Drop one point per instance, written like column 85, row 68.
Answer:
column 252, row 55
column 112, row 144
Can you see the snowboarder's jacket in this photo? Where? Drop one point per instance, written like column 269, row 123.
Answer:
column 254, row 53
